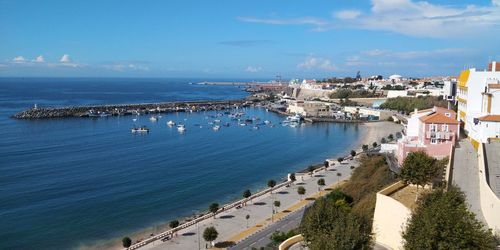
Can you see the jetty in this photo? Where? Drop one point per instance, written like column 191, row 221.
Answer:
column 128, row 109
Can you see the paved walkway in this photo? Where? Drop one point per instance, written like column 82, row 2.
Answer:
column 232, row 225
column 493, row 160
column 466, row 176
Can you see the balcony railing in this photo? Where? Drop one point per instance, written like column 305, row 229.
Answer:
column 441, row 135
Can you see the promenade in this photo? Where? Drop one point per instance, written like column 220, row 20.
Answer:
column 232, row 224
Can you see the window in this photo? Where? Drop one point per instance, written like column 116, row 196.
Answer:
column 433, row 141
column 433, row 127
column 444, row 128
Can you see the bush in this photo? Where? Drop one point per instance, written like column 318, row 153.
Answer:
column 408, row 104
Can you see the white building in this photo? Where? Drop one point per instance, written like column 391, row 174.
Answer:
column 479, row 103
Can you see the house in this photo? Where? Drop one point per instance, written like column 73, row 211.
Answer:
column 479, row 103
column 433, row 131
column 311, row 108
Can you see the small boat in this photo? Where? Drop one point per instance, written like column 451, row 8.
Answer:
column 217, row 121
column 171, row 123
column 142, row 129
column 216, row 127
column 267, row 122
column 293, row 119
column 243, row 124
column 255, row 127
column 181, row 128
column 226, row 124
column 135, row 119
column 153, row 118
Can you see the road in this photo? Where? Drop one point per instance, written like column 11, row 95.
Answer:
column 262, row 238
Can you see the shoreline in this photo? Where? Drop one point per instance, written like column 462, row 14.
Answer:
column 374, row 131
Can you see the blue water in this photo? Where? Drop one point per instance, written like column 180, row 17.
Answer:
column 70, row 182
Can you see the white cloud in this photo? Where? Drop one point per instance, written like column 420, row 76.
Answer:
column 65, row 59
column 252, row 69
column 39, row 59
column 347, row 14
column 19, row 59
column 317, row 63
column 123, row 67
column 408, row 17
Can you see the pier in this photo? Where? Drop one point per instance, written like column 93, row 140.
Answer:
column 128, row 109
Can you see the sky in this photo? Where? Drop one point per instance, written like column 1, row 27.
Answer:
column 246, row 39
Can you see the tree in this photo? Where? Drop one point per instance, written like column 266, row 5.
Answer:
column 292, row 177
column 383, row 140
column 173, row 224
column 353, row 153
column 391, row 137
column 330, row 224
column 364, row 147
column 442, row 221
column 126, row 242
column 214, row 207
column 247, row 217
column 338, row 176
column 277, row 204
column 419, row 168
column 374, row 144
column 326, row 164
column 340, row 159
column 321, row 182
column 271, row 184
column 301, row 191
column 210, row 234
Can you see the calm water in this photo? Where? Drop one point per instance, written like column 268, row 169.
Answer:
column 65, row 183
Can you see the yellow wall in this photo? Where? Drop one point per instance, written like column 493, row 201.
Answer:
column 474, row 143
column 463, row 78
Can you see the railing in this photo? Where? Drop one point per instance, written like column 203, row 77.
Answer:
column 204, row 217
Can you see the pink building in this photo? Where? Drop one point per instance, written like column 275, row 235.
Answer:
column 432, row 130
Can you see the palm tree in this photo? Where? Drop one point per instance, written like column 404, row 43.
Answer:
column 126, row 242
column 353, row 153
column 210, row 234
column 321, row 182
column 383, row 140
column 364, row 147
column 271, row 184
column 247, row 195
column 391, row 137
column 338, row 176
column 326, row 164
column 214, row 207
column 275, row 204
column 301, row 191
column 247, row 217
column 340, row 159
column 310, row 169
column 292, row 177
column 374, row 144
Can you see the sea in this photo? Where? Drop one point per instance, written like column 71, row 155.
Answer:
column 78, row 182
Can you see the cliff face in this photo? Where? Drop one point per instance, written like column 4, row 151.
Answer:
column 306, row 94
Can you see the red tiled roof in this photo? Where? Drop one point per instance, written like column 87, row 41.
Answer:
column 494, row 86
column 490, row 118
column 438, row 118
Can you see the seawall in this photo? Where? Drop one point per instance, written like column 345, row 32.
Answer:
column 128, row 109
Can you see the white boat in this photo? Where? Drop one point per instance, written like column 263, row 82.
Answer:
column 171, row 123
column 255, row 127
column 217, row 121
column 153, row 118
column 267, row 122
column 243, row 124
column 135, row 119
column 142, row 129
column 181, row 128
column 216, row 127
column 293, row 119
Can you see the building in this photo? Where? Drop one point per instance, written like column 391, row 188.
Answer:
column 369, row 113
column 433, row 131
column 479, row 103
column 311, row 108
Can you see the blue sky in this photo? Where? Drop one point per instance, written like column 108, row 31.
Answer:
column 246, row 39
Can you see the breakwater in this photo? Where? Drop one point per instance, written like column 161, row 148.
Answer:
column 128, row 109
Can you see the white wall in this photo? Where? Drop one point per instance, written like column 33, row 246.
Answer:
column 390, row 219
column 490, row 203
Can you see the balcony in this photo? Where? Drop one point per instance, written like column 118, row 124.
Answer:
column 440, row 135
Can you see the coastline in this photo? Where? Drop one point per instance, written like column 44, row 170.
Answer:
column 373, row 131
